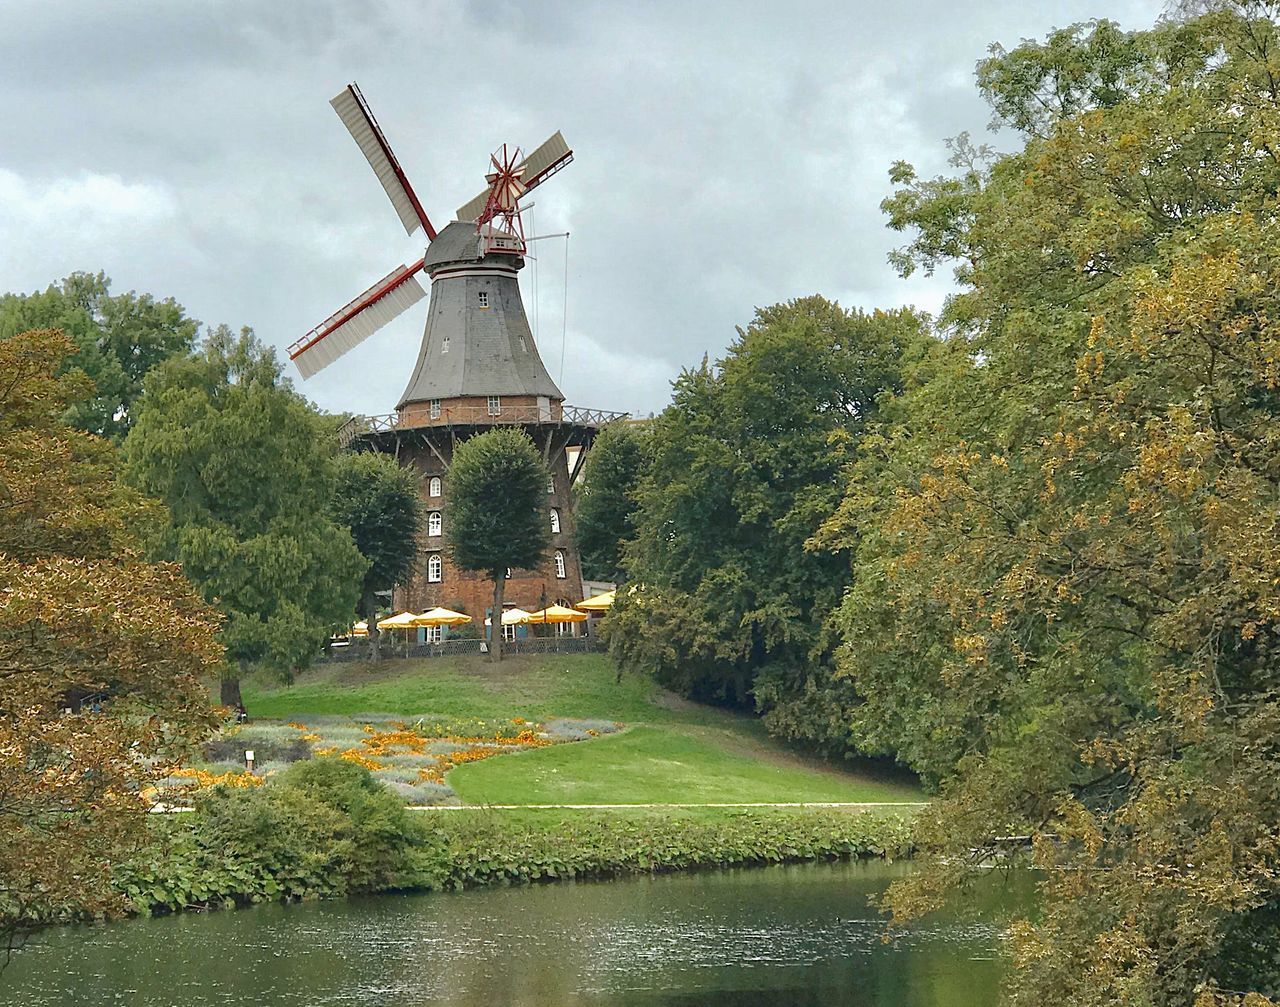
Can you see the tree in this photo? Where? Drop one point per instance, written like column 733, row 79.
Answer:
column 118, row 339
column 606, row 506
column 1064, row 608
column 494, row 511
column 377, row 501
column 81, row 614
column 744, row 466
column 247, row 469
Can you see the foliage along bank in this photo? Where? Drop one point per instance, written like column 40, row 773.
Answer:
column 325, row 828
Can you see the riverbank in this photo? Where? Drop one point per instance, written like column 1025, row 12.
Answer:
column 327, row 830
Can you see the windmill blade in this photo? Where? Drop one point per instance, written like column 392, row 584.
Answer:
column 363, row 127
column 544, row 162
column 346, row 329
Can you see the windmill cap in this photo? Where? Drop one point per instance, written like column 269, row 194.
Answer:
column 459, row 243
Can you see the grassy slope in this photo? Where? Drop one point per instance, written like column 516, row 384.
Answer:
column 674, row 752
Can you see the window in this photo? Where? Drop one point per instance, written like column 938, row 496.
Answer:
column 444, row 345
column 435, row 568
column 435, row 409
column 433, row 634
column 509, row 633
column 560, row 571
column 433, row 487
column 555, row 521
column 551, row 484
column 523, row 348
column 433, row 523
column 495, row 405
column 484, row 298
column 508, row 573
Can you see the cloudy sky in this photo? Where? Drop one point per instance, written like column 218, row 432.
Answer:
column 727, row 155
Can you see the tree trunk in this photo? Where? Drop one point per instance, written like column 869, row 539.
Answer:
column 370, row 606
column 495, row 620
column 231, row 692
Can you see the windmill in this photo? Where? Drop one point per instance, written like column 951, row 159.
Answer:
column 477, row 367
column 493, row 216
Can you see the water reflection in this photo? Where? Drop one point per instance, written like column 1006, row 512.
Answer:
column 781, row 936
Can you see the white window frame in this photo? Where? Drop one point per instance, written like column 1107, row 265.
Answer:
column 435, row 568
column 433, row 634
column 435, row 524
column 433, row 487
column 435, row 409
column 509, row 633
column 551, row 485
column 523, row 348
column 484, row 298
column 495, row 405
column 555, row 521
column 561, row 571
column 444, row 345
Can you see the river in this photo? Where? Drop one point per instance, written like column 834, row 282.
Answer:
column 794, row 936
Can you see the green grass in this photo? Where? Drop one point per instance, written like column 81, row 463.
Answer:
column 661, row 765
column 674, row 751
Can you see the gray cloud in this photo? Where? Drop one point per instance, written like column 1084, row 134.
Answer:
column 728, row 155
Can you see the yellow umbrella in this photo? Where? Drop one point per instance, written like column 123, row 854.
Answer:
column 556, row 613
column 599, row 603
column 511, row 617
column 442, row 617
column 405, row 620
column 360, row 629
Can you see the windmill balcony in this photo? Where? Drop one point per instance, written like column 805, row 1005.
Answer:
column 476, row 412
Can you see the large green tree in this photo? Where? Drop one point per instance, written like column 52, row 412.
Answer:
column 82, row 613
column 744, row 466
column 1065, row 606
column 605, row 508
column 377, row 500
column 247, row 469
column 495, row 517
column 117, row 338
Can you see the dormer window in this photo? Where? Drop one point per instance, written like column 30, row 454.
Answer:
column 484, row 298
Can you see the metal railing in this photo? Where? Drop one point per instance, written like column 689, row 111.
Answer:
column 394, row 651
column 357, row 426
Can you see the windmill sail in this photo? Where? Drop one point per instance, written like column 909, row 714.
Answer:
column 346, row 329
column 363, row 127
column 544, row 162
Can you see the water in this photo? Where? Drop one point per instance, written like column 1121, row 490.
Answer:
column 799, row 936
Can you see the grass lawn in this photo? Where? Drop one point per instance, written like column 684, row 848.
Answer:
column 673, row 751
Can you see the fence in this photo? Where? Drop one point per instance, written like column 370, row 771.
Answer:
column 462, row 415
column 392, row 650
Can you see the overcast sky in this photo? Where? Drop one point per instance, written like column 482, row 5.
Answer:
column 727, row 155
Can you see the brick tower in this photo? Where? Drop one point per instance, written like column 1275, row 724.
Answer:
column 478, row 368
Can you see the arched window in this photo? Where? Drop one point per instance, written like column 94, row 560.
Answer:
column 560, row 571
column 433, row 523
column 435, row 568
column 433, row 488
column 555, row 521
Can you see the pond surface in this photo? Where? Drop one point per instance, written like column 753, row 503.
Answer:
column 779, row 936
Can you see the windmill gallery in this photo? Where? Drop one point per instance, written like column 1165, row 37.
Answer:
column 478, row 365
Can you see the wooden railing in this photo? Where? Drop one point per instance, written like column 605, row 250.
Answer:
column 357, row 426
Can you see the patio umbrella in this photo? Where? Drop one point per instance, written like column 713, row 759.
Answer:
column 442, row 617
column 405, row 620
column 511, row 617
column 556, row 613
column 599, row 603
column 360, row 629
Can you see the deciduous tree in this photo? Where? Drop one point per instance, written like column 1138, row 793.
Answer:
column 745, row 465
column 118, row 339
column 1065, row 605
column 494, row 514
column 81, row 614
column 605, row 508
column 377, row 501
column 247, row 469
